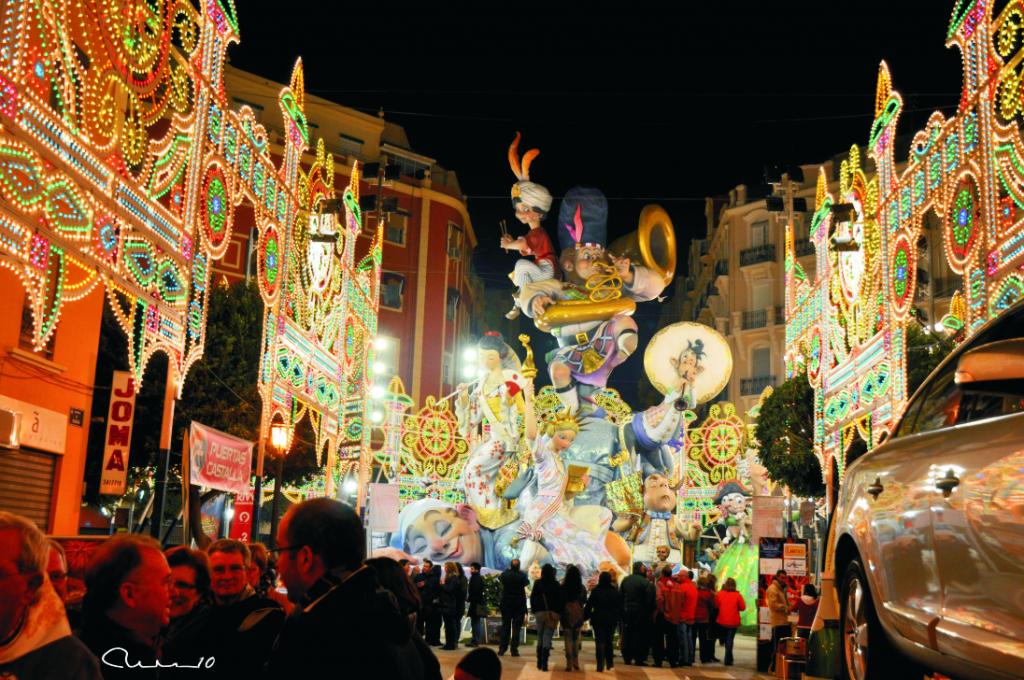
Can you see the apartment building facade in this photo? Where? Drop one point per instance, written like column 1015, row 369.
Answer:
column 427, row 286
column 735, row 279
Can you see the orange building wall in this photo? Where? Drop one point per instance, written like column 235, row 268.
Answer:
column 63, row 383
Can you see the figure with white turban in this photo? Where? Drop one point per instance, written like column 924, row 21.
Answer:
column 532, row 203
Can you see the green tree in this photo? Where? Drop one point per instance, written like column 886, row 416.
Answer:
column 220, row 391
column 785, row 430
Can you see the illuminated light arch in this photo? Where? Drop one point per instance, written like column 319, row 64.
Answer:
column 121, row 157
column 969, row 170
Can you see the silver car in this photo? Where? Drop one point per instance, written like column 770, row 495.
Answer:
column 929, row 552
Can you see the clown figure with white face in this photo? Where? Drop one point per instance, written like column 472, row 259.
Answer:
column 687, row 367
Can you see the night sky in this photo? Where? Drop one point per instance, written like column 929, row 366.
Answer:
column 649, row 104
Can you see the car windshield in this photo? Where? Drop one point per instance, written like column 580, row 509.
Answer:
column 937, row 403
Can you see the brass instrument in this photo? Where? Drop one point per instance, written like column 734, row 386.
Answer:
column 566, row 312
column 653, row 243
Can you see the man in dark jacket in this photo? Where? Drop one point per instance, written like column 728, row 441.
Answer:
column 419, row 579
column 428, row 583
column 344, row 619
column 638, row 607
column 477, row 605
column 431, row 594
column 127, row 602
column 513, row 607
column 240, row 628
column 604, row 609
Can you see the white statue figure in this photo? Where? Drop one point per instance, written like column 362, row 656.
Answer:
column 489, row 416
column 551, row 525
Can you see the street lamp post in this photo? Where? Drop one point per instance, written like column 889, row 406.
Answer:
column 279, row 440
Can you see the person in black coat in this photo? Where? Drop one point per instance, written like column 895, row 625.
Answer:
column 477, row 604
column 126, row 604
column 240, row 627
column 344, row 619
column 546, row 597
column 452, row 603
column 393, row 578
column 574, row 597
column 604, row 609
column 419, row 579
column 513, row 607
column 638, row 607
column 432, row 605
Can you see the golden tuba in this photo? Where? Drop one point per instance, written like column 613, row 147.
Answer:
column 653, row 244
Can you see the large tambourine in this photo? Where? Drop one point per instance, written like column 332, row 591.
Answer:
column 673, row 343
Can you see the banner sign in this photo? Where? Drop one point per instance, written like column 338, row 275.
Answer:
column 383, row 507
column 217, row 460
column 769, row 512
column 118, row 438
column 241, row 523
column 41, row 428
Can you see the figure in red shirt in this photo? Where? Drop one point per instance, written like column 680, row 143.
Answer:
column 532, row 203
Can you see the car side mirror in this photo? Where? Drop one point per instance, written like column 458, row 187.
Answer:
column 996, row 362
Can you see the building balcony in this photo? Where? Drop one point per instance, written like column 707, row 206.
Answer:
column 754, row 386
column 722, row 268
column 755, row 319
column 803, row 246
column 756, row 255
column 780, row 314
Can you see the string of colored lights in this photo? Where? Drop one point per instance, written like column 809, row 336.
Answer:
column 848, row 326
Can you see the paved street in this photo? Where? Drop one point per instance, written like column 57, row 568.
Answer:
column 524, row 667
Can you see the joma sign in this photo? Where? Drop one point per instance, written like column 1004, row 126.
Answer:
column 119, row 434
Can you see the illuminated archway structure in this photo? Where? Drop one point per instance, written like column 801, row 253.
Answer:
column 120, row 166
column 120, row 163
column 847, row 328
column 320, row 317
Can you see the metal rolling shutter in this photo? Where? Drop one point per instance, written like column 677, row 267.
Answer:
column 26, row 484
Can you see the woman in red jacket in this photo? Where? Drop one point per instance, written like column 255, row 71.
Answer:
column 729, row 604
column 703, row 620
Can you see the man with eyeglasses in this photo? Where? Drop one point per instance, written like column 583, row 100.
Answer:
column 57, row 570
column 242, row 625
column 35, row 639
column 127, row 603
column 344, row 619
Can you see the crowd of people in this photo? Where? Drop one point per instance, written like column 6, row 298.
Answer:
column 147, row 612
column 669, row 619
column 150, row 613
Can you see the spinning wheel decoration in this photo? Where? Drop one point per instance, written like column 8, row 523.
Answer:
column 432, row 446
column 717, row 445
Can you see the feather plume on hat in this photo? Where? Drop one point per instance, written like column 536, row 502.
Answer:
column 524, row 191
